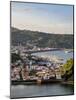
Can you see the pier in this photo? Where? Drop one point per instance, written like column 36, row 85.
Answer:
column 32, row 82
column 35, row 51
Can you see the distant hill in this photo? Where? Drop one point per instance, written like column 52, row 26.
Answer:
column 41, row 39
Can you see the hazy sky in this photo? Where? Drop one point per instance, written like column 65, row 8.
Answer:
column 42, row 17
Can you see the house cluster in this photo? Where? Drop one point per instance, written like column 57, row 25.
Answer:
column 36, row 68
column 30, row 72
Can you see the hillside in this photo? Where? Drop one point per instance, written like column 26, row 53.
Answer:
column 41, row 39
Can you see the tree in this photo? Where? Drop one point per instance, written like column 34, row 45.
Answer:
column 15, row 57
column 32, row 72
column 68, row 70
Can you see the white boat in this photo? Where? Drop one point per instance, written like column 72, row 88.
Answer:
column 68, row 51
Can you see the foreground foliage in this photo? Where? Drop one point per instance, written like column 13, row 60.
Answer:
column 68, row 70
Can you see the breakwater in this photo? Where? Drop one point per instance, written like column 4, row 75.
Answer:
column 31, row 82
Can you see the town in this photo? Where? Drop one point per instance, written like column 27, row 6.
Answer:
column 31, row 67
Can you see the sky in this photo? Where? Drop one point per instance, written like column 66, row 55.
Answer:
column 57, row 19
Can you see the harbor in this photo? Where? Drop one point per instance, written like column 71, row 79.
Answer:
column 42, row 51
column 40, row 71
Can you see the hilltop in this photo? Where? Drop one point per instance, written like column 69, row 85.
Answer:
column 41, row 39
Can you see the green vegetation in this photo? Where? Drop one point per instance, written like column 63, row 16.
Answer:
column 15, row 57
column 40, row 39
column 32, row 72
column 68, row 68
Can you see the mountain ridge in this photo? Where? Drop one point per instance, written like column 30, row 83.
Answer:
column 41, row 39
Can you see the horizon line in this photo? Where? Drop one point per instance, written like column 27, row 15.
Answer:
column 41, row 31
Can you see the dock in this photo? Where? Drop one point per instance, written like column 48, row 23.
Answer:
column 31, row 82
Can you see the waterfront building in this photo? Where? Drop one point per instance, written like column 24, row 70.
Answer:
column 15, row 73
column 58, row 73
column 25, row 72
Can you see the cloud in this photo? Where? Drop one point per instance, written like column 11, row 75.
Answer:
column 42, row 18
column 22, row 10
column 28, row 9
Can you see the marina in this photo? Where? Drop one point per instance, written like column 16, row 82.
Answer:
column 44, row 87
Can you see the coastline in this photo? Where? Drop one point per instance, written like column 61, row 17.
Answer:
column 67, row 82
column 31, row 82
column 36, row 82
